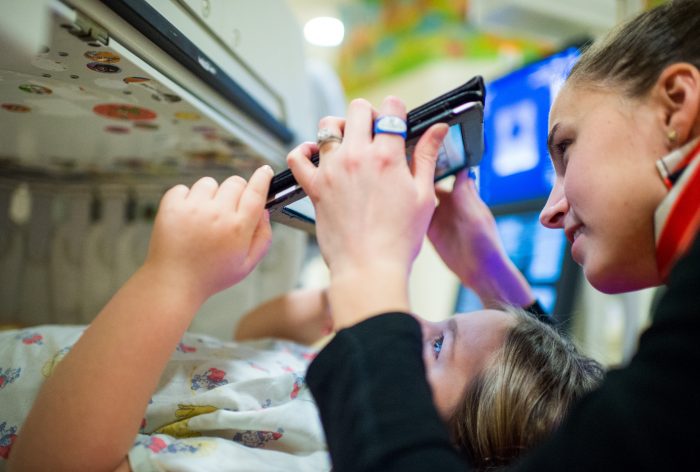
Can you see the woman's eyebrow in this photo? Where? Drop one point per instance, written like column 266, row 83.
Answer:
column 550, row 139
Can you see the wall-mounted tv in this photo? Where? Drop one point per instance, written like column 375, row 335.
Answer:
column 516, row 176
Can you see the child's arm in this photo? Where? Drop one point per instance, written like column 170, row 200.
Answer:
column 300, row 315
column 463, row 231
column 88, row 412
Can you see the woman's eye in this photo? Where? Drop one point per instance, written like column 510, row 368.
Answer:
column 561, row 148
column 437, row 345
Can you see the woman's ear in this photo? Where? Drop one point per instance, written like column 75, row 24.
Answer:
column 678, row 90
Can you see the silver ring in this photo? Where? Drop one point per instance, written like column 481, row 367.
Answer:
column 390, row 124
column 325, row 136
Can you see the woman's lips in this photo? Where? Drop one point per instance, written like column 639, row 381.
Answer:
column 573, row 234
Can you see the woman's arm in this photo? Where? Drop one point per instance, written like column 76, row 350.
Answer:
column 301, row 315
column 88, row 412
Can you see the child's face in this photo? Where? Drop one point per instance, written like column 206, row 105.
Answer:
column 457, row 349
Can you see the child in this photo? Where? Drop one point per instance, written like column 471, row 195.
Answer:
column 245, row 406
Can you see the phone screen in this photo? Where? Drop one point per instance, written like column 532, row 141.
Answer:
column 452, row 157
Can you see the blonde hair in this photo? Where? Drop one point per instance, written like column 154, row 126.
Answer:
column 522, row 395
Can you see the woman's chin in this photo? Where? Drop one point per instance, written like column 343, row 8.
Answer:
column 612, row 280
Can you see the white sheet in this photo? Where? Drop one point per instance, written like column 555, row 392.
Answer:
column 219, row 405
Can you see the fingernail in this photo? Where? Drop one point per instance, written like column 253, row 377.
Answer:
column 268, row 169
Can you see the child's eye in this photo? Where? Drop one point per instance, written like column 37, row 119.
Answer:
column 437, row 345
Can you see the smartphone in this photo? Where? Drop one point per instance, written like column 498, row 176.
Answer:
column 461, row 108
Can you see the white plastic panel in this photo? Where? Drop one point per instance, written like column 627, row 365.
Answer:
column 81, row 106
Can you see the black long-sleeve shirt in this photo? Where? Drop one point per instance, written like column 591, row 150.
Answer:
column 378, row 415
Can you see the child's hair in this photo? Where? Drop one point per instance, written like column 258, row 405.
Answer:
column 522, row 395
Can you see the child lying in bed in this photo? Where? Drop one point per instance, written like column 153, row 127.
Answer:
column 134, row 391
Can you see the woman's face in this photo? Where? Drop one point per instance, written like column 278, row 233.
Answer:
column 604, row 150
column 456, row 350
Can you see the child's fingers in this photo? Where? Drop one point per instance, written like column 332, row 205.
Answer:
column 230, row 191
column 175, row 194
column 203, row 189
column 254, row 196
column 299, row 162
column 261, row 240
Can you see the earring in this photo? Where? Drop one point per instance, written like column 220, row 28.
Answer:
column 672, row 136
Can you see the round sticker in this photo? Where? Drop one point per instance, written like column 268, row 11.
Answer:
column 104, row 57
column 36, row 89
column 187, row 115
column 104, row 68
column 15, row 107
column 135, row 80
column 120, row 111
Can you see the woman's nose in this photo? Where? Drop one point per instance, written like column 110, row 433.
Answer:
column 556, row 208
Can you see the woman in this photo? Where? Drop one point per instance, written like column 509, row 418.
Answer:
column 622, row 136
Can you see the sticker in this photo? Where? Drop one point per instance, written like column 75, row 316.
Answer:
column 15, row 107
column 146, row 126
column 117, row 129
column 161, row 94
column 105, row 57
column 166, row 97
column 187, row 115
column 48, row 64
column 124, row 112
column 135, row 80
column 104, row 68
column 36, row 89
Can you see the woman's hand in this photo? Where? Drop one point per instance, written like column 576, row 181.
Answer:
column 463, row 232
column 211, row 236
column 372, row 209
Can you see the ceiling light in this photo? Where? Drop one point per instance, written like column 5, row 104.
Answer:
column 324, row 31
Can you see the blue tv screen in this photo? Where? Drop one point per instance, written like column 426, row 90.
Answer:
column 538, row 252
column 516, row 176
column 515, row 166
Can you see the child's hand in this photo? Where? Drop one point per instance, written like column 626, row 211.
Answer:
column 209, row 237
